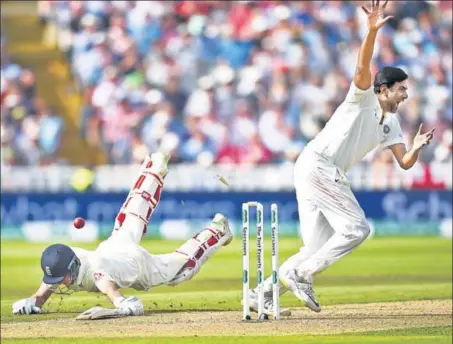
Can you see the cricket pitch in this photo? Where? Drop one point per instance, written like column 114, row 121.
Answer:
column 333, row 319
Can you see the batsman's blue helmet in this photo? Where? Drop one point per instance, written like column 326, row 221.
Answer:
column 57, row 261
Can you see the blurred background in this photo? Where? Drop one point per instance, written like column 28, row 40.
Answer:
column 232, row 89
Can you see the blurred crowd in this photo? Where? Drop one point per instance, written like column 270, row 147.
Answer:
column 30, row 129
column 244, row 82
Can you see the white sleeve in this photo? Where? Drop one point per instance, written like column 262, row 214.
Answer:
column 99, row 272
column 395, row 135
column 356, row 95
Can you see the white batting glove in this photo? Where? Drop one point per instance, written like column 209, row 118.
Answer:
column 26, row 306
column 129, row 306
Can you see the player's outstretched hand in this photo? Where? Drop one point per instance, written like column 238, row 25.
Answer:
column 26, row 306
column 421, row 140
column 130, row 305
column 375, row 14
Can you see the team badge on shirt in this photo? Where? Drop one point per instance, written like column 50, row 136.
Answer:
column 386, row 129
column 98, row 276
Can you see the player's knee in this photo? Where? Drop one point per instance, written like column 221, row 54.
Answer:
column 359, row 233
column 362, row 232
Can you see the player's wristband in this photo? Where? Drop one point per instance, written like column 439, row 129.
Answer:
column 117, row 300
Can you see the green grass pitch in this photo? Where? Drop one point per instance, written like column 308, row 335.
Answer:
column 381, row 270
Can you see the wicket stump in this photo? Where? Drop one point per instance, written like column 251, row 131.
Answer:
column 259, row 259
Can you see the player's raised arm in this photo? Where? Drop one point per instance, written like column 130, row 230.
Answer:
column 376, row 20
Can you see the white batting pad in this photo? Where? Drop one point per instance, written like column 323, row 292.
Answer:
column 144, row 196
column 198, row 250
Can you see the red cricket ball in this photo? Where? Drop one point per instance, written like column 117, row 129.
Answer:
column 79, row 222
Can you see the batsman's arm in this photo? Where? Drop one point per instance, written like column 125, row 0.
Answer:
column 128, row 306
column 42, row 294
column 108, row 288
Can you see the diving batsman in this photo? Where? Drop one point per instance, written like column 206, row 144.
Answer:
column 120, row 262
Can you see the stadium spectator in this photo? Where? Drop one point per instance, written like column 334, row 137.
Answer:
column 240, row 73
column 30, row 130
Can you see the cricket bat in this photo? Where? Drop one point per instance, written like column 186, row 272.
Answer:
column 97, row 313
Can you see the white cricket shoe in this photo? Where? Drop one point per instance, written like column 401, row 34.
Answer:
column 160, row 163
column 268, row 304
column 220, row 223
column 302, row 289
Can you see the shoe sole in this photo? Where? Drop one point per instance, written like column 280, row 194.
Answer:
column 163, row 159
column 303, row 297
column 226, row 243
column 224, row 222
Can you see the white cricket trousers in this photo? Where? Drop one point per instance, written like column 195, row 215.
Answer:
column 332, row 222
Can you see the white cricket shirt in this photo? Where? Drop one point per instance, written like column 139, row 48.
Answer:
column 125, row 263
column 354, row 130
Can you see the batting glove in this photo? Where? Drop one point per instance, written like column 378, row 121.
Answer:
column 26, row 306
column 129, row 306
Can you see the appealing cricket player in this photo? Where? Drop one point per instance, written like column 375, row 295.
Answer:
column 120, row 261
column 332, row 222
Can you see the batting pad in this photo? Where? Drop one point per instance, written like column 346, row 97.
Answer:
column 97, row 313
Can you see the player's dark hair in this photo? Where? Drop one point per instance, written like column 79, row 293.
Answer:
column 388, row 76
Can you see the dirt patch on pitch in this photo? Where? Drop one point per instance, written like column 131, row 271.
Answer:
column 332, row 320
